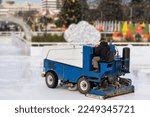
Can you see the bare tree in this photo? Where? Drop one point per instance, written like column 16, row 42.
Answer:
column 146, row 4
column 111, row 9
column 137, row 10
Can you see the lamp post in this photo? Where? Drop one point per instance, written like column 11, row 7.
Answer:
column 131, row 13
column 101, row 15
column 46, row 19
column 29, row 6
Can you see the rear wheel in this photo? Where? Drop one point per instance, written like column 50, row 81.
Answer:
column 84, row 86
column 51, row 80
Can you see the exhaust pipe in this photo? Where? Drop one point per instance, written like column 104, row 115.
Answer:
column 126, row 59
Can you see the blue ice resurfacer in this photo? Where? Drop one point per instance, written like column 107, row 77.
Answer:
column 103, row 84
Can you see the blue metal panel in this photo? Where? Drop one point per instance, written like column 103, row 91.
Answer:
column 50, row 65
column 105, row 68
column 71, row 73
column 64, row 72
column 87, row 62
column 87, row 58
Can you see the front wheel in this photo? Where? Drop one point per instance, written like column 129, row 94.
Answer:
column 84, row 86
column 51, row 80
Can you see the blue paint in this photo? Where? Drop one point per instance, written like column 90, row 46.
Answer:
column 69, row 73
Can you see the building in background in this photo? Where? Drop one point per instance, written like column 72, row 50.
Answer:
column 10, row 7
column 10, row 1
column 54, row 5
column 0, row 4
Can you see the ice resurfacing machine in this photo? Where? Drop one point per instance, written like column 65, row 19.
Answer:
column 103, row 84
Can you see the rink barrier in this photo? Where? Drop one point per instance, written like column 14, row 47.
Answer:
column 20, row 35
column 40, row 49
column 39, row 44
column 65, row 43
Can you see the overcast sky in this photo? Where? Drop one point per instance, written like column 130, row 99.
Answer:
column 39, row 1
column 24, row 1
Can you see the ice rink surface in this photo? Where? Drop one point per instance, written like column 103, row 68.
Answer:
column 20, row 76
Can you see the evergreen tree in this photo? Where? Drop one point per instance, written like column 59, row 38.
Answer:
column 70, row 13
column 111, row 9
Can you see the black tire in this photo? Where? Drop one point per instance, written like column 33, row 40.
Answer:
column 51, row 80
column 84, row 86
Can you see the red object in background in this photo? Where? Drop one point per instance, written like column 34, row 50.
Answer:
column 100, row 28
column 146, row 36
column 129, row 32
column 139, row 29
column 74, row 17
column 129, row 36
column 65, row 22
column 119, row 34
column 64, row 28
column 115, row 34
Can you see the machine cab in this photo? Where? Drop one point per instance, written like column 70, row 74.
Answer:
column 88, row 54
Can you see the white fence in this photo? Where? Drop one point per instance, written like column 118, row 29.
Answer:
column 22, row 34
column 117, row 26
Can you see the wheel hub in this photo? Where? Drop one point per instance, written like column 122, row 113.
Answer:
column 50, row 80
column 83, row 85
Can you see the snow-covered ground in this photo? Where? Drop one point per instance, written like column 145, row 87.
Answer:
column 20, row 76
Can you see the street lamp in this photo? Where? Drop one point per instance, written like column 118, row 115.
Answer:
column 131, row 13
column 46, row 18
column 101, row 15
column 29, row 6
